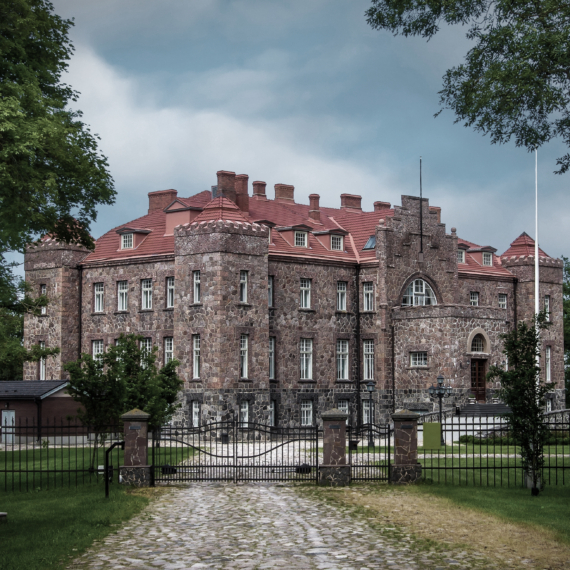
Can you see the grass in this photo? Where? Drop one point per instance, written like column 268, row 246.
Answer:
column 47, row 529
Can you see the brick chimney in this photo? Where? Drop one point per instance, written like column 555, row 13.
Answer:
column 259, row 189
column 160, row 199
column 285, row 192
column 242, row 193
column 436, row 210
column 378, row 206
column 314, row 211
column 226, row 185
column 351, row 201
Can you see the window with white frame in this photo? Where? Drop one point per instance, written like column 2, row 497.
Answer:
column 146, row 294
column 197, row 292
column 478, row 343
column 547, row 306
column 368, row 346
column 243, row 276
column 146, row 349
column 195, row 413
column 418, row 358
column 98, row 305
column 127, row 241
column 169, row 292
column 502, row 300
column 270, row 290
column 43, row 291
column 243, row 355
column 460, row 256
column 301, row 239
column 548, row 405
column 305, row 293
column 337, row 243
column 307, row 412
column 342, row 359
column 487, row 258
column 42, row 362
column 244, row 413
column 343, row 406
column 271, row 358
column 122, row 295
column 367, row 412
column 97, row 349
column 368, row 292
column 168, row 349
column 547, row 371
column 306, row 350
column 272, row 413
column 196, row 356
column 474, row 298
column 418, row 293
column 341, row 296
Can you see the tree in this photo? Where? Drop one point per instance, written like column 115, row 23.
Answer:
column 515, row 81
column 566, row 314
column 123, row 378
column 52, row 177
column 524, row 392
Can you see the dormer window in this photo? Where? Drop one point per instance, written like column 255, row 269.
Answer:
column 371, row 243
column 460, row 256
column 337, row 243
column 487, row 258
column 301, row 239
column 127, row 241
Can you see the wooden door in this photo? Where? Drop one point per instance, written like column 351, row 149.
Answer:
column 478, row 378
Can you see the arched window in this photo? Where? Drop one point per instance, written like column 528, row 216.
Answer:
column 478, row 343
column 417, row 293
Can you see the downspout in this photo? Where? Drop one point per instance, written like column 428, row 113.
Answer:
column 393, row 370
column 80, row 308
column 515, row 294
column 358, row 373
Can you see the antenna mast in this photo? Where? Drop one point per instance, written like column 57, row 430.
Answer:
column 421, row 217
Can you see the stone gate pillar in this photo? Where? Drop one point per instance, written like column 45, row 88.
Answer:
column 405, row 468
column 334, row 471
column 136, row 470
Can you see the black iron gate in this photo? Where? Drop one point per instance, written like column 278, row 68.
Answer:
column 369, row 452
column 234, row 451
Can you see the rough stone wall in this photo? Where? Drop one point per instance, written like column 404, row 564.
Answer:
column 488, row 290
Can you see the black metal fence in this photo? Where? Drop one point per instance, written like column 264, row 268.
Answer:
column 369, row 452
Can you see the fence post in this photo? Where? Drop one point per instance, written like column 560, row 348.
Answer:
column 406, row 468
column 334, row 471
column 136, row 470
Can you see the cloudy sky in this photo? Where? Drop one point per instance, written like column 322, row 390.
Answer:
column 301, row 92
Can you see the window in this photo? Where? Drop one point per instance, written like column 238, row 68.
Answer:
column 367, row 412
column 146, row 349
column 306, row 347
column 301, row 239
column 341, row 296
column 127, row 241
column 169, row 292
column 418, row 359
column 196, row 356
column 368, row 360
column 547, row 306
column 197, row 297
column 337, row 243
column 371, row 243
column 368, row 289
column 195, row 413
column 342, row 359
column 419, row 293
column 549, row 405
column 478, row 343
column 474, row 299
column 460, row 256
column 146, row 290
column 168, row 349
column 502, row 300
column 307, row 413
column 97, row 349
column 305, row 293
column 42, row 362
column 43, row 291
column 243, row 286
column 547, row 373
column 272, row 413
column 270, row 291
column 487, row 258
column 271, row 358
column 244, row 413
column 99, row 289
column 243, row 355
column 342, row 405
column 123, row 296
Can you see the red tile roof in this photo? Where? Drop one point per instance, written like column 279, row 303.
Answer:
column 220, row 208
column 473, row 267
column 523, row 245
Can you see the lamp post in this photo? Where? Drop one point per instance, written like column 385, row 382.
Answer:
column 441, row 392
column 370, row 387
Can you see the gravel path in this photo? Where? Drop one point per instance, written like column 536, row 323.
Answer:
column 261, row 526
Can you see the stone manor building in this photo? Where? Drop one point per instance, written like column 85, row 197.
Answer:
column 278, row 311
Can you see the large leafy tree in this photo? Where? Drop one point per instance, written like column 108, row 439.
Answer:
column 52, row 176
column 515, row 80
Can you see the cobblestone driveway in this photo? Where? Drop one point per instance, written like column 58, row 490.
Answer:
column 208, row 525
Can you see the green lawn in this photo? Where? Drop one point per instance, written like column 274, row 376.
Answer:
column 45, row 529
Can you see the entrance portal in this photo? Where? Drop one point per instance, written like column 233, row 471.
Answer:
column 478, row 378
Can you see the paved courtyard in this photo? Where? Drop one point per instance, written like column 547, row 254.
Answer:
column 259, row 526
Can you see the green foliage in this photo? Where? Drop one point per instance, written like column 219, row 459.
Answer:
column 515, row 80
column 524, row 392
column 52, row 177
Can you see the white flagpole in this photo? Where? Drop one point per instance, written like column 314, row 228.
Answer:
column 536, row 264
